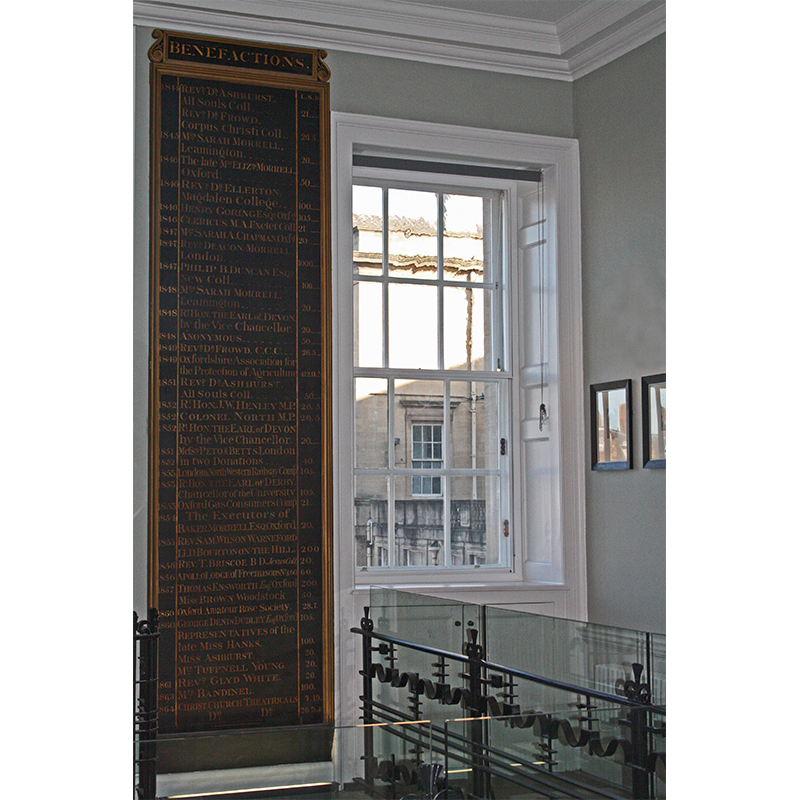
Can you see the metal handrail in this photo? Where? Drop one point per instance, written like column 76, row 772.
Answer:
column 517, row 673
column 475, row 695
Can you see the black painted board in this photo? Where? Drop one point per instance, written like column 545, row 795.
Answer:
column 238, row 492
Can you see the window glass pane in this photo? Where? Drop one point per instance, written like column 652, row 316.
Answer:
column 368, row 230
column 475, row 520
column 370, row 515
column 474, row 430
column 372, row 419
column 368, row 324
column 465, row 328
column 419, row 527
column 413, row 327
column 463, row 237
column 418, row 427
column 413, row 225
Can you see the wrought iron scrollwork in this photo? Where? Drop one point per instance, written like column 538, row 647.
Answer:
column 491, row 691
column 443, row 692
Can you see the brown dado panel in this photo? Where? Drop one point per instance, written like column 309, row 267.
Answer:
column 240, row 431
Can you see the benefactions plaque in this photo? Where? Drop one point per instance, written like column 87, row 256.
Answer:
column 240, row 489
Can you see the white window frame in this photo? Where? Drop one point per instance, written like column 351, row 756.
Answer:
column 548, row 524
column 492, row 284
column 498, row 191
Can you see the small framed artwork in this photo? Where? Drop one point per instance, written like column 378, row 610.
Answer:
column 654, row 420
column 611, row 425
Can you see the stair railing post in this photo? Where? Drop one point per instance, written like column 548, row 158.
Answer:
column 146, row 705
column 367, row 626
column 474, row 652
column 639, row 691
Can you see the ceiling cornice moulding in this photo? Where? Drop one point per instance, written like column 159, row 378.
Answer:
column 592, row 19
column 405, row 30
column 629, row 35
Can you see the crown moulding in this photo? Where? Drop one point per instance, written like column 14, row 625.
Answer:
column 594, row 35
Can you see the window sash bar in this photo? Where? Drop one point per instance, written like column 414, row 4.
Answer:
column 389, row 471
column 385, row 271
column 482, row 376
column 440, row 277
column 491, row 286
column 427, row 471
column 446, row 483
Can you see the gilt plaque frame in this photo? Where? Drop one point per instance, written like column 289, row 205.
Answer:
column 240, row 485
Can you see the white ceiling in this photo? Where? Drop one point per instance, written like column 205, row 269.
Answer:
column 559, row 39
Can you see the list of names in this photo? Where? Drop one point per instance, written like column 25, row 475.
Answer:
column 238, row 432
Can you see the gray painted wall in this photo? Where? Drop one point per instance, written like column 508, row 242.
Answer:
column 617, row 113
column 393, row 87
column 620, row 122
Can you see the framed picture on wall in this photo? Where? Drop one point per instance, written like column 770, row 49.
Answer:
column 611, row 425
column 654, row 420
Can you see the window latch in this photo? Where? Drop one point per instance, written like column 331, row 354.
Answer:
column 542, row 415
column 502, row 447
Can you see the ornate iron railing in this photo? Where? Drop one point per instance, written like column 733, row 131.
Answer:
column 487, row 693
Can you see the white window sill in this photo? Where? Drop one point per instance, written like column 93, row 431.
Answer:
column 495, row 586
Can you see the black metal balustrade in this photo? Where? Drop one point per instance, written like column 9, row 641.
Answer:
column 486, row 694
column 145, row 704
column 569, row 713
